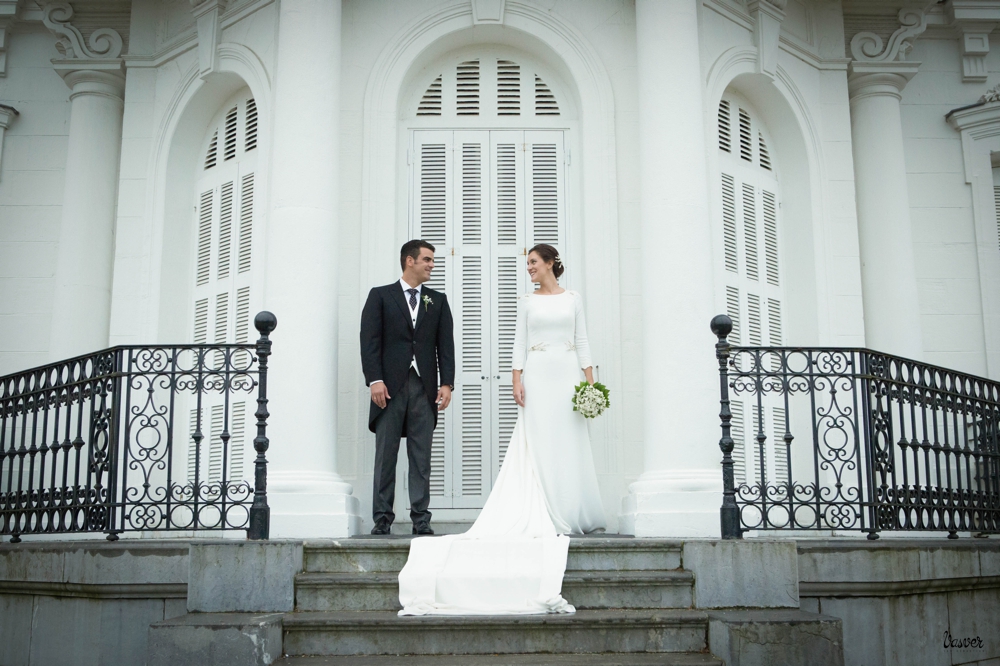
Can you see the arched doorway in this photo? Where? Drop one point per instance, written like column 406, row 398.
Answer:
column 487, row 151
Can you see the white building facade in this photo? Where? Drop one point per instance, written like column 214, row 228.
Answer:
column 168, row 168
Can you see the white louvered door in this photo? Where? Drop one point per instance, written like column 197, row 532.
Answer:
column 753, row 281
column 432, row 218
column 224, row 234
column 482, row 198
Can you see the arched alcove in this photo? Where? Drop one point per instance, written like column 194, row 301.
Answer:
column 179, row 148
column 795, row 153
column 404, row 72
column 488, row 130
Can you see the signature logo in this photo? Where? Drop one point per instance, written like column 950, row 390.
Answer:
column 966, row 642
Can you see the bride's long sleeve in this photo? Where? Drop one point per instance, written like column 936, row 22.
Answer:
column 581, row 342
column 520, row 351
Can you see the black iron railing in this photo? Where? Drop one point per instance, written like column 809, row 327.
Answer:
column 138, row 438
column 854, row 440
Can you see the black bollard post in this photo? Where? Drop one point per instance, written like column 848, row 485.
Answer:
column 729, row 514
column 260, row 513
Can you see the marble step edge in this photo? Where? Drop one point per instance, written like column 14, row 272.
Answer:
column 397, row 543
column 313, row 579
column 586, row 631
column 539, row 659
column 390, row 620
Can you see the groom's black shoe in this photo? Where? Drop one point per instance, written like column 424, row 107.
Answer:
column 381, row 527
column 422, row 529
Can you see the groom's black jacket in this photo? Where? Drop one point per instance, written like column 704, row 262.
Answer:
column 389, row 342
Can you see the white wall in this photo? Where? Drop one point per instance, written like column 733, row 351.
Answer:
column 944, row 235
column 31, row 190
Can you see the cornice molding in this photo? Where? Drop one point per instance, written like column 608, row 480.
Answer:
column 974, row 123
column 103, row 43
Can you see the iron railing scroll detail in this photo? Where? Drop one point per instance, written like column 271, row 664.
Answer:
column 842, row 439
column 137, row 439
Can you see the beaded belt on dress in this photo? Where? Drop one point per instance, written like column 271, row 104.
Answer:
column 544, row 346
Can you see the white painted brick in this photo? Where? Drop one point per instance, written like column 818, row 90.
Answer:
column 21, row 260
column 34, row 153
column 30, row 223
column 26, row 295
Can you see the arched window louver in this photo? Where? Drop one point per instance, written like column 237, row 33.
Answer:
column 240, row 121
column 754, row 295
column 462, row 94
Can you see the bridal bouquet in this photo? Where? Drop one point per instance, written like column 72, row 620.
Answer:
column 591, row 400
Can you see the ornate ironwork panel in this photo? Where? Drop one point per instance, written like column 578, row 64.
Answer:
column 136, row 438
column 855, row 440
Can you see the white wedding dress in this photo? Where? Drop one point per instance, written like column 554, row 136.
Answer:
column 512, row 560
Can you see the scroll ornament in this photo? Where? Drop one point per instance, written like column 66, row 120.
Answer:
column 869, row 47
column 103, row 43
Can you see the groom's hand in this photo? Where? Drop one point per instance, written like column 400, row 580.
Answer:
column 380, row 394
column 444, row 398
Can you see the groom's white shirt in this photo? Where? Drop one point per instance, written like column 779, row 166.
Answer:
column 413, row 316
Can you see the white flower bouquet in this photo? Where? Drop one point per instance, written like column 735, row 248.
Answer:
column 591, row 400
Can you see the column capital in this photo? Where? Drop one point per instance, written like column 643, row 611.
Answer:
column 879, row 78
column 93, row 76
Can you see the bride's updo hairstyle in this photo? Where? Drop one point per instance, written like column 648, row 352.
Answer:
column 549, row 254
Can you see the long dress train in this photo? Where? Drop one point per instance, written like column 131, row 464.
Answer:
column 512, row 560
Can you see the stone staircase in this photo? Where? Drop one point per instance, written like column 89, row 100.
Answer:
column 633, row 600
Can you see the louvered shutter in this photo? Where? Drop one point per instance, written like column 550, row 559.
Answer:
column 473, row 299
column 223, row 258
column 508, row 240
column 996, row 201
column 432, row 213
column 750, row 228
column 545, row 165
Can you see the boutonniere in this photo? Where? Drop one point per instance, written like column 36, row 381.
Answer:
column 427, row 302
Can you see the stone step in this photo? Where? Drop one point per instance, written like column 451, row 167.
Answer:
column 321, row 591
column 388, row 554
column 587, row 632
column 605, row 659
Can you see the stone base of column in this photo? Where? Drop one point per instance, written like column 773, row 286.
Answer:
column 679, row 504
column 311, row 505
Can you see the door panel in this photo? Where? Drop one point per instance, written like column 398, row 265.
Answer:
column 482, row 198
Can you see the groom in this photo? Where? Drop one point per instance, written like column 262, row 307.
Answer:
column 406, row 341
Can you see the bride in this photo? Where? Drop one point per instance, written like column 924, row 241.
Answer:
column 513, row 558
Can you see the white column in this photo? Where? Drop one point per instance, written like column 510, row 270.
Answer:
column 82, row 306
column 680, row 490
column 307, row 496
column 888, row 272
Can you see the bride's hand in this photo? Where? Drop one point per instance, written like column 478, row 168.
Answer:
column 519, row 393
